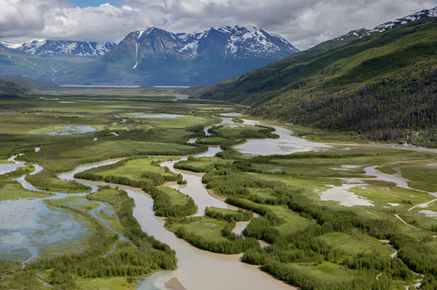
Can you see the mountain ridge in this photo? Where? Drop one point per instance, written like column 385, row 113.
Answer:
column 51, row 48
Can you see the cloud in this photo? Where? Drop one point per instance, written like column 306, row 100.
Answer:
column 304, row 23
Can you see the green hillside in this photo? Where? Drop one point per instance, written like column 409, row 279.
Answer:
column 17, row 85
column 382, row 85
column 223, row 89
column 8, row 88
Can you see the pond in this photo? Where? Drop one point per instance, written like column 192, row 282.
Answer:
column 29, row 226
column 68, row 130
column 344, row 196
column 181, row 98
column 158, row 116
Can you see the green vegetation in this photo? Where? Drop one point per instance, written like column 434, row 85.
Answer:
column 210, row 234
column 422, row 217
column 243, row 131
column 14, row 278
column 423, row 179
column 14, row 190
column 182, row 122
column 203, row 164
column 387, row 169
column 228, row 215
column 46, row 182
column 211, row 140
column 131, row 148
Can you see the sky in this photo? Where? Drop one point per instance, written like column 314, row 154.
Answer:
column 304, row 23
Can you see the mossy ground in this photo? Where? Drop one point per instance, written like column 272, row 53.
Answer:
column 134, row 169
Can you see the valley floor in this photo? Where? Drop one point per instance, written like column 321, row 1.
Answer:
column 112, row 191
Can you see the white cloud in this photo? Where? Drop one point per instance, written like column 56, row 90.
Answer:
column 303, row 22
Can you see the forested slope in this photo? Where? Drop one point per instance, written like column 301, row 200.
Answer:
column 382, row 85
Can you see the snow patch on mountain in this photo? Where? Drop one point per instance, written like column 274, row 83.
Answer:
column 239, row 42
column 427, row 13
column 9, row 44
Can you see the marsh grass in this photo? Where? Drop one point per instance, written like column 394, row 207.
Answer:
column 294, row 222
column 423, row 179
column 422, row 220
column 115, row 283
column 207, row 228
column 211, row 140
column 382, row 194
column 134, row 169
column 355, row 243
column 177, row 198
column 203, row 164
column 229, row 131
column 14, row 190
column 386, row 169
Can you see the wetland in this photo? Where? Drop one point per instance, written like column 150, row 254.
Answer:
column 138, row 191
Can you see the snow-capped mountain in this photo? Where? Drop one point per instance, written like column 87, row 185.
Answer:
column 360, row 33
column 49, row 48
column 226, row 42
column 427, row 13
column 158, row 57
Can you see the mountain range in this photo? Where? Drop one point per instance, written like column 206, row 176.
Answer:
column 158, row 57
column 50, row 48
